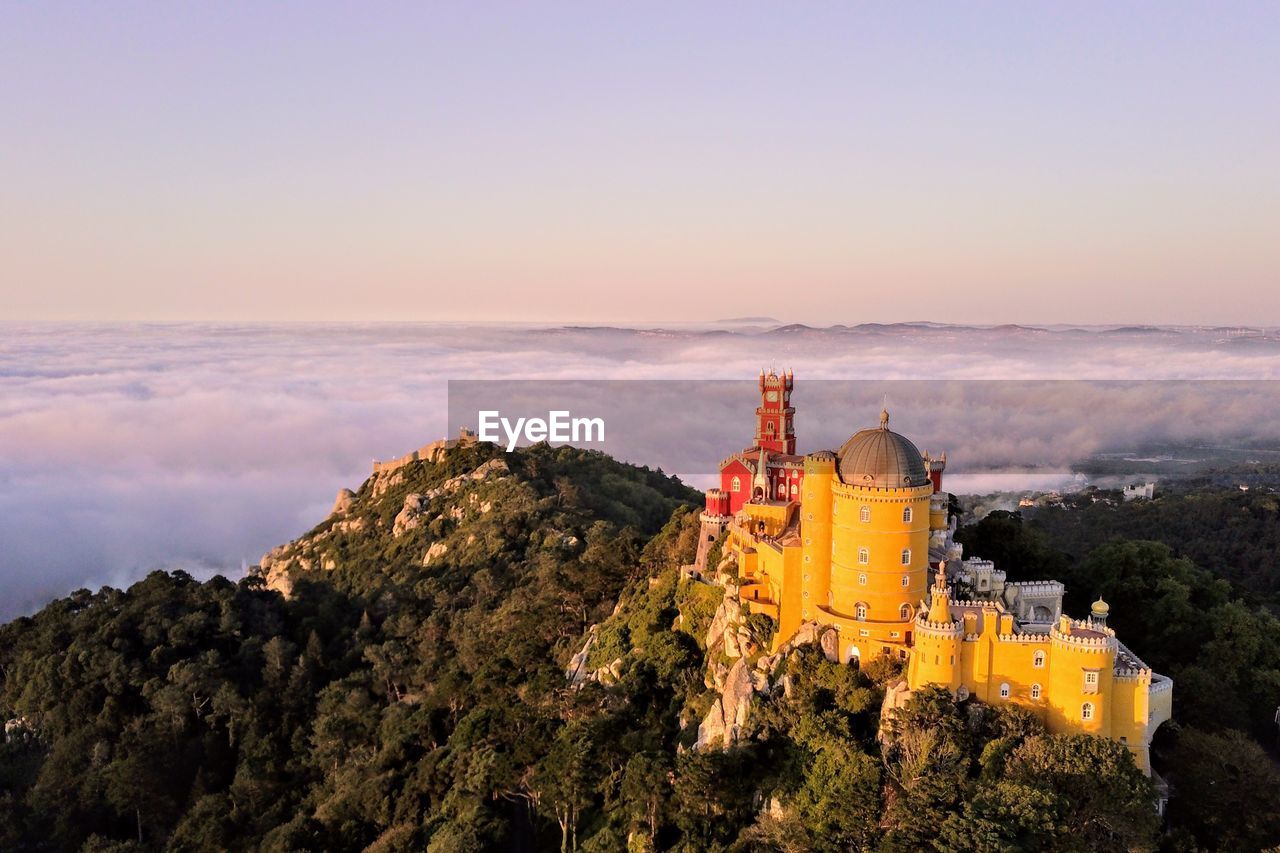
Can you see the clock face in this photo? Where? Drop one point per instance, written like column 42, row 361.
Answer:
column 771, row 396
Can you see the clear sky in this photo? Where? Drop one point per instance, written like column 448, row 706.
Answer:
column 844, row 162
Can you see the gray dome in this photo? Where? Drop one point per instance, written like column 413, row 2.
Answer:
column 881, row 459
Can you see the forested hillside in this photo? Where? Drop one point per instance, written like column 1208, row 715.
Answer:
column 410, row 693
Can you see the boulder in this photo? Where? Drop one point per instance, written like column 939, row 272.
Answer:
column 343, row 502
column 728, row 714
column 410, row 516
column 576, row 672
column 436, row 550
column 725, row 622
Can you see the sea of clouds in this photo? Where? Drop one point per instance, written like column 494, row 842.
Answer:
column 129, row 447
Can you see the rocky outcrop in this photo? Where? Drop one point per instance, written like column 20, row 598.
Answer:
column 576, row 672
column 741, row 682
column 437, row 549
column 410, row 516
column 895, row 696
column 728, row 714
column 342, row 502
column 728, row 631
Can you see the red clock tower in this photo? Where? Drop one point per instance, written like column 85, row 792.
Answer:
column 775, row 430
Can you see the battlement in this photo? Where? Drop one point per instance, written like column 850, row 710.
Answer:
column 1083, row 636
column 1038, row 588
column 1025, row 639
column 427, row 452
column 945, row 629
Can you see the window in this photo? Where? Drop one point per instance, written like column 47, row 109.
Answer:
column 808, row 558
column 1038, row 660
column 737, row 484
column 1086, row 711
column 1091, row 681
column 862, row 580
column 905, row 612
column 864, row 514
column 864, row 556
column 1004, row 690
column 861, row 611
column 906, row 515
column 808, row 541
column 1035, row 691
column 906, row 581
column 906, row 556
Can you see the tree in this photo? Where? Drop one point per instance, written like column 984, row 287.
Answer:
column 565, row 780
column 1226, row 790
column 1101, row 799
column 839, row 801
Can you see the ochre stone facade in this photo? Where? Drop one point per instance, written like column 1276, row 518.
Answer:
column 857, row 546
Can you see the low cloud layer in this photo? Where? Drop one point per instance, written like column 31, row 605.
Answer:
column 125, row 448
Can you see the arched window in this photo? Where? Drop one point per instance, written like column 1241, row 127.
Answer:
column 1086, row 711
column 1004, row 690
column 864, row 556
column 1038, row 660
column 906, row 581
column 737, row 484
column 864, row 514
column 1035, row 691
column 906, row 515
column 904, row 612
column 862, row 580
column 860, row 610
column 906, row 556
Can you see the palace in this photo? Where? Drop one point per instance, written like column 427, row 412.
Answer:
column 859, row 539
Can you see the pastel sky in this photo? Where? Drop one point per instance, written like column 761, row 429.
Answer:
column 645, row 162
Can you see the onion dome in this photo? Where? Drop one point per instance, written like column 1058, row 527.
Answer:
column 881, row 459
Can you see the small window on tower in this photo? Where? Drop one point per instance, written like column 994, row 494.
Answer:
column 861, row 611
column 1004, row 690
column 1038, row 660
column 904, row 612
column 1086, row 711
column 906, row 515
column 864, row 556
column 862, row 579
column 737, row 484
column 906, row 556
column 906, row 581
column 864, row 514
column 1035, row 691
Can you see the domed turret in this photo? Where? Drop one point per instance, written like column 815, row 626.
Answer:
column 881, row 459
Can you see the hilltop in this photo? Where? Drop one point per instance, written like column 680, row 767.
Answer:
column 501, row 651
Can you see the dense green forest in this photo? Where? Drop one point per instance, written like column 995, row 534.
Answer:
column 410, row 693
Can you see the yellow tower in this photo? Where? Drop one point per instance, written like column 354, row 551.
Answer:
column 935, row 659
column 815, row 520
column 1082, row 661
column 880, row 534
